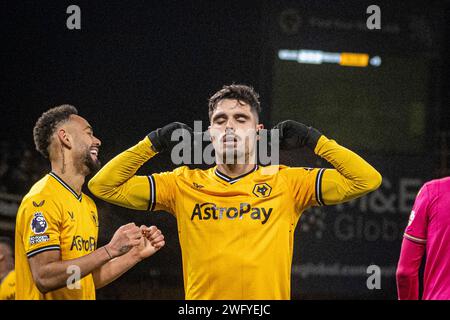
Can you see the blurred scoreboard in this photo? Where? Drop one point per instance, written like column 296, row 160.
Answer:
column 330, row 71
column 373, row 91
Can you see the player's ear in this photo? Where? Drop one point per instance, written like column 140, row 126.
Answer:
column 209, row 133
column 64, row 138
column 259, row 127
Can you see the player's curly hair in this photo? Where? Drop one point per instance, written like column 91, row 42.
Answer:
column 46, row 125
column 239, row 92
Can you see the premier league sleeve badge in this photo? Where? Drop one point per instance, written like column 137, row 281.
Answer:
column 39, row 224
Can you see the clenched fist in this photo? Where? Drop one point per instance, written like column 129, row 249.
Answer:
column 125, row 238
column 152, row 241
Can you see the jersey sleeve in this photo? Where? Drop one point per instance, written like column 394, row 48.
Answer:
column 41, row 225
column 117, row 182
column 351, row 177
column 407, row 273
column 163, row 188
column 305, row 185
column 416, row 229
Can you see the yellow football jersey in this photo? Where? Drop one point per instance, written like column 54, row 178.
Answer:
column 8, row 287
column 52, row 216
column 236, row 234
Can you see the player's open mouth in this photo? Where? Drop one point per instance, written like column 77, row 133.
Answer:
column 94, row 152
column 230, row 139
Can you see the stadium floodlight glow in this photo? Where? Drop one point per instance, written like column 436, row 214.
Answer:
column 348, row 59
column 375, row 61
column 287, row 55
column 310, row 56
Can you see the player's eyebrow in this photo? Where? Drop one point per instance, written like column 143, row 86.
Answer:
column 241, row 114
column 89, row 128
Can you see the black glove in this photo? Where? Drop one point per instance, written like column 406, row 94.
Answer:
column 294, row 134
column 161, row 137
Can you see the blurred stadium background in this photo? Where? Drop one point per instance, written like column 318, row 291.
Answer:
column 137, row 65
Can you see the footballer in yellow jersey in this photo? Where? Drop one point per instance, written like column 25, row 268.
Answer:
column 56, row 254
column 54, row 217
column 236, row 222
column 7, row 273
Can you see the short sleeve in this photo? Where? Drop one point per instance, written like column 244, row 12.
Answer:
column 305, row 184
column 41, row 226
column 416, row 229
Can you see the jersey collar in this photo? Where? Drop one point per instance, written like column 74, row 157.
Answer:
column 230, row 180
column 65, row 185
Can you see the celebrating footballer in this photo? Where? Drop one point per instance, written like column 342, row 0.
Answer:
column 236, row 220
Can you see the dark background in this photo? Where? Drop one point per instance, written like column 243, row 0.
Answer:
column 137, row 65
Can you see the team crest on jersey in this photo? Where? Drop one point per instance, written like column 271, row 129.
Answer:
column 411, row 217
column 94, row 218
column 39, row 224
column 262, row 190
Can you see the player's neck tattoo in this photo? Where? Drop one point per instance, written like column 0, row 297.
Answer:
column 63, row 169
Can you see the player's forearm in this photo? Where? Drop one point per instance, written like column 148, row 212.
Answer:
column 113, row 269
column 54, row 275
column 407, row 287
column 353, row 176
column 121, row 168
column 116, row 181
column 407, row 274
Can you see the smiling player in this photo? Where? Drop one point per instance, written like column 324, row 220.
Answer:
column 57, row 224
